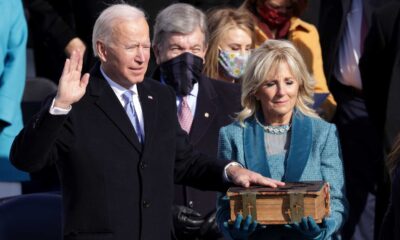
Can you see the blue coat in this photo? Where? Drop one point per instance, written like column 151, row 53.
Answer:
column 13, row 36
column 314, row 154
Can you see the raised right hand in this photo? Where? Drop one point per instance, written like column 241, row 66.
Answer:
column 71, row 86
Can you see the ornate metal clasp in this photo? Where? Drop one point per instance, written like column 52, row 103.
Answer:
column 296, row 207
column 249, row 205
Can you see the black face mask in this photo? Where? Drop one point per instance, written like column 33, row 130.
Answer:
column 182, row 72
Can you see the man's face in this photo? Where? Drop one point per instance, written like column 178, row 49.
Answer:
column 126, row 56
column 176, row 43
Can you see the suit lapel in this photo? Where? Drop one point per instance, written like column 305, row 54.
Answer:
column 206, row 110
column 300, row 147
column 254, row 148
column 148, row 101
column 112, row 108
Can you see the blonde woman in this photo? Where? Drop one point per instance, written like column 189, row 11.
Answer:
column 279, row 19
column 279, row 136
column 231, row 41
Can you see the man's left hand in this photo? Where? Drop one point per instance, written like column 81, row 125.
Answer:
column 243, row 177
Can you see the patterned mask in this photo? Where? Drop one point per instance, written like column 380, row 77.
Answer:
column 233, row 63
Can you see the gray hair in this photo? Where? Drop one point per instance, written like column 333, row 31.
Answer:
column 179, row 18
column 264, row 61
column 102, row 29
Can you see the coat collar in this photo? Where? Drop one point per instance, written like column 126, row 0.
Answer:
column 256, row 158
column 149, row 103
column 296, row 24
column 108, row 102
column 206, row 110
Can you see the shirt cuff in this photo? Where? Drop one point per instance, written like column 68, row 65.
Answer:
column 226, row 178
column 57, row 110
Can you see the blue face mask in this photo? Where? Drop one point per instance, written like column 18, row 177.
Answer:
column 233, row 63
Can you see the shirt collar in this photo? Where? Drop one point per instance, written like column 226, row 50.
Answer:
column 118, row 89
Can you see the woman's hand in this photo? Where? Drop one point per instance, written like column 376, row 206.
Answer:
column 239, row 230
column 308, row 228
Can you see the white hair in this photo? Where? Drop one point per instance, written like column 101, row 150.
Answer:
column 179, row 18
column 102, row 29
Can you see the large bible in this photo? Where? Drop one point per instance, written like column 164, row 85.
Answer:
column 281, row 205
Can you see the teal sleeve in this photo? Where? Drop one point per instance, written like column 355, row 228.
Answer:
column 333, row 173
column 13, row 34
column 225, row 153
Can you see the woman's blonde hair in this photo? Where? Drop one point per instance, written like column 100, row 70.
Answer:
column 219, row 22
column 265, row 60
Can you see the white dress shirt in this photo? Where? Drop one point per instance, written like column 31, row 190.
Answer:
column 119, row 91
column 191, row 99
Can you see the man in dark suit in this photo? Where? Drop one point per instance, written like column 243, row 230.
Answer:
column 343, row 26
column 380, row 71
column 116, row 140
column 180, row 46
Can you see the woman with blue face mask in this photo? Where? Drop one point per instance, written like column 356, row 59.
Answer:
column 231, row 39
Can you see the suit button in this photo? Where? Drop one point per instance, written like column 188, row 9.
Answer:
column 191, row 204
column 146, row 204
column 143, row 165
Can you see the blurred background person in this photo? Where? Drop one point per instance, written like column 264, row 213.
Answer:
column 278, row 135
column 379, row 67
column 13, row 37
column 52, row 35
column 230, row 44
column 380, row 75
column 204, row 105
column 343, row 26
column 279, row 19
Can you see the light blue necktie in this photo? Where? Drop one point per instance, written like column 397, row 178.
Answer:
column 130, row 110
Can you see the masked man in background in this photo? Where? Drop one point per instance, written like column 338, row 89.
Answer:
column 204, row 106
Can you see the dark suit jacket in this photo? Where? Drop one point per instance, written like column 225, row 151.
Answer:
column 217, row 103
column 380, row 66
column 114, row 188
column 332, row 22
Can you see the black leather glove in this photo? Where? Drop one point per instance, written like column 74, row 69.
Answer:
column 209, row 229
column 187, row 222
